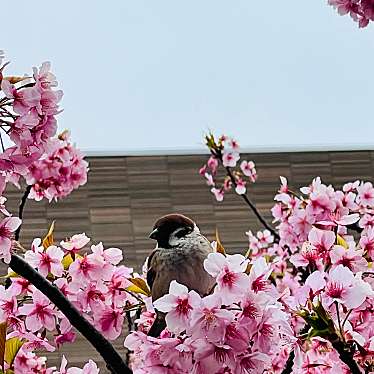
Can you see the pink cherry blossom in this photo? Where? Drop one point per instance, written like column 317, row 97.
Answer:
column 111, row 255
column 75, row 243
column 39, row 314
column 259, row 274
column 2, row 205
column 178, row 304
column 240, row 188
column 109, row 321
column 302, row 222
column 66, row 333
column 350, row 258
column 229, row 159
column 46, row 261
column 366, row 221
column 117, row 283
column 61, row 170
column 92, row 296
column 89, row 368
column 7, row 226
column 351, row 186
column 360, row 11
column 308, row 255
column 338, row 218
column 44, row 78
column 203, row 170
column 229, row 273
column 322, row 240
column 252, row 305
column 209, row 320
column 86, row 268
column 365, row 195
column 8, row 304
column 218, row 193
column 212, row 164
column 253, row 362
column 316, row 281
column 367, row 242
column 249, row 170
column 234, row 144
column 24, row 99
column 209, row 179
column 344, row 288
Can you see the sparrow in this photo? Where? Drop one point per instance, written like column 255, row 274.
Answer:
column 179, row 255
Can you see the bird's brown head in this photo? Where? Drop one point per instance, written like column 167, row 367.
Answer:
column 176, row 225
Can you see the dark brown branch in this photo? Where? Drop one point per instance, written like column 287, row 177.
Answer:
column 289, row 364
column 345, row 355
column 355, row 227
column 291, row 358
column 20, row 210
column 2, row 143
column 253, row 208
column 113, row 360
column 130, row 328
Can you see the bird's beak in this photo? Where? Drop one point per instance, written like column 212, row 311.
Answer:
column 153, row 234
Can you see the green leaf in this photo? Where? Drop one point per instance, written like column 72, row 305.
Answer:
column 12, row 346
column 210, row 141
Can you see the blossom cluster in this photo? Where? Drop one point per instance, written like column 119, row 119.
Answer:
column 324, row 260
column 239, row 328
column 361, row 11
column 61, row 170
column 27, row 116
column 225, row 152
column 28, row 120
column 93, row 282
column 321, row 268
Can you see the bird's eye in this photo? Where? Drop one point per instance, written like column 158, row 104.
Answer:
column 183, row 232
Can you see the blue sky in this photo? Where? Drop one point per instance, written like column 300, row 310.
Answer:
column 140, row 75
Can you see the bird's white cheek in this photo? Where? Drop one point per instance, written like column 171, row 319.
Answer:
column 174, row 241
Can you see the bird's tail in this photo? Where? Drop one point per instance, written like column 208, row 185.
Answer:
column 158, row 326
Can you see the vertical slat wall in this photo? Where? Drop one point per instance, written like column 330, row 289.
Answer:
column 124, row 196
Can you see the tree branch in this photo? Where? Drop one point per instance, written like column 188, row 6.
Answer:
column 113, row 360
column 345, row 355
column 355, row 227
column 289, row 364
column 20, row 210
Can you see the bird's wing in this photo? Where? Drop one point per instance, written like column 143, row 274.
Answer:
column 151, row 273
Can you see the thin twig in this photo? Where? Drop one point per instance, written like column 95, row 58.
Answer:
column 2, row 143
column 130, row 328
column 338, row 316
column 291, row 358
column 289, row 364
column 346, row 317
column 253, row 208
column 20, row 210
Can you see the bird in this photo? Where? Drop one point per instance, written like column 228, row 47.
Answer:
column 179, row 255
